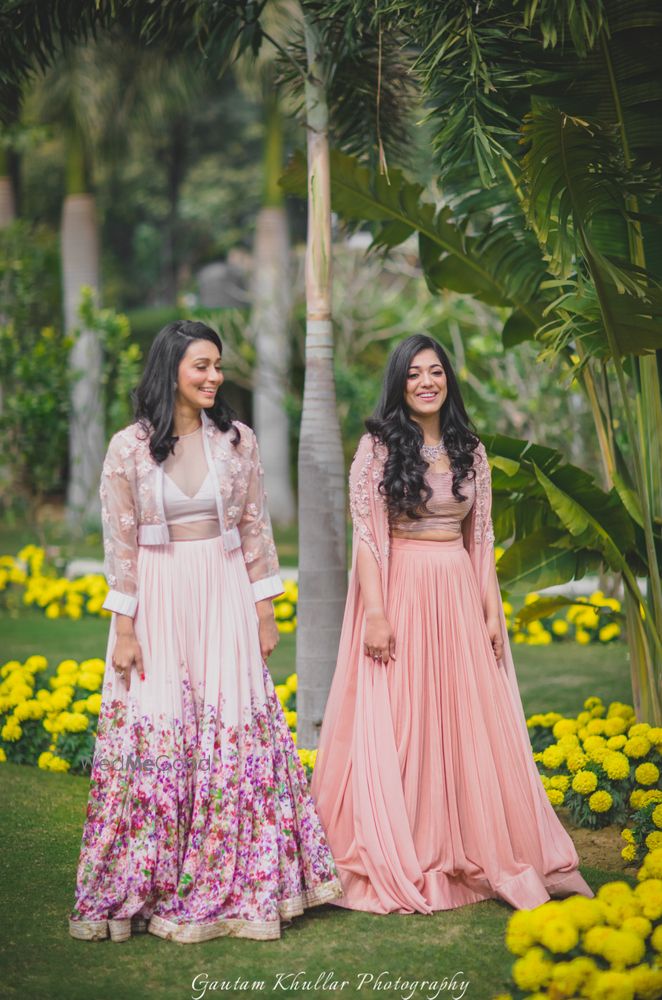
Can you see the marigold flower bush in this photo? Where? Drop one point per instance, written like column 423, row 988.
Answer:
column 28, row 580
column 601, row 765
column 606, row 948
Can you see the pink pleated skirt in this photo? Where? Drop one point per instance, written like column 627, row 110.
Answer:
column 434, row 801
column 199, row 821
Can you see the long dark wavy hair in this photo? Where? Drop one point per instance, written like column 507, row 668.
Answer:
column 403, row 485
column 154, row 397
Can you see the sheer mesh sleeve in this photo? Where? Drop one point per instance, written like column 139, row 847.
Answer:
column 483, row 529
column 120, row 534
column 257, row 540
column 364, row 478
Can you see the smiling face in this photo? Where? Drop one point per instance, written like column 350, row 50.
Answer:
column 425, row 389
column 199, row 375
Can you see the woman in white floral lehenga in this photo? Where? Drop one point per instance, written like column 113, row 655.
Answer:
column 199, row 821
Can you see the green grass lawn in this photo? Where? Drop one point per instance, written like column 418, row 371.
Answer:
column 41, row 823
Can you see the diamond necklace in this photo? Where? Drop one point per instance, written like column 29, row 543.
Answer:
column 431, row 452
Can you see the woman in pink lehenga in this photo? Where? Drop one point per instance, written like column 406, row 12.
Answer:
column 425, row 781
column 199, row 821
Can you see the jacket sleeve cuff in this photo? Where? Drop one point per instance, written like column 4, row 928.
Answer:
column 123, row 604
column 270, row 586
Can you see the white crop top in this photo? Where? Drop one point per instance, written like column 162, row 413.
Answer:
column 188, row 493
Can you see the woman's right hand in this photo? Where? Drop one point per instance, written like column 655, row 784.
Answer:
column 379, row 640
column 126, row 655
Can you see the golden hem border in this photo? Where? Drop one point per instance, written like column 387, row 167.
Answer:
column 257, row 930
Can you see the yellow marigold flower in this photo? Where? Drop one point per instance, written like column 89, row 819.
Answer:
column 560, row 627
column 639, row 729
column 11, row 731
column 537, row 756
column 44, row 759
column 583, row 912
column 62, row 698
column 600, row 802
column 636, row 798
column 585, row 782
column 582, row 637
column 609, row 632
column 561, row 781
column 614, row 726
column 555, row 796
column 649, row 895
column 519, row 933
column 598, row 754
column 657, row 817
column 616, row 765
column 655, row 734
column 654, row 840
column 95, row 665
column 628, row 835
column 3, row 756
column 89, row 680
column 531, row 598
column 622, row 948
column 36, row 663
column 656, row 938
column 647, row 774
column 283, row 693
column 74, row 722
column 291, row 719
column 565, row 727
column 576, row 760
column 66, row 667
column 652, row 866
column 612, row 986
column 53, row 610
column 287, row 626
column 647, row 982
column 533, row 970
column 569, row 742
column 31, row 709
column 595, row 727
column 58, row 764
column 637, row 746
column 291, row 682
column 584, row 717
column 80, row 705
column 559, row 936
column 615, row 891
column 593, row 740
column 294, row 737
column 93, row 704
column 616, row 742
column 629, row 852
column 553, row 756
column 638, row 925
column 652, row 795
column 569, row 977
column 283, row 610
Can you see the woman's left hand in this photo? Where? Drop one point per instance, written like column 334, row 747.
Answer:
column 494, row 632
column 268, row 630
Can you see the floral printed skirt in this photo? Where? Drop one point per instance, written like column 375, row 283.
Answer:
column 199, row 820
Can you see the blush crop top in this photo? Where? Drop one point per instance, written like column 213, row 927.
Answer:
column 446, row 513
column 188, row 492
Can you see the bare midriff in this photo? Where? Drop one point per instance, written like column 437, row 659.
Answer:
column 427, row 536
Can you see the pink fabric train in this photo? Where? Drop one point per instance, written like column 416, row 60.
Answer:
column 425, row 782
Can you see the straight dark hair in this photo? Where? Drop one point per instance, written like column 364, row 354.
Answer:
column 403, row 485
column 154, row 397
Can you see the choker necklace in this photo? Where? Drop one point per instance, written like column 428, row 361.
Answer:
column 431, row 452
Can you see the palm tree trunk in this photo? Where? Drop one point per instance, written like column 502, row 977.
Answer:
column 7, row 202
column 270, row 323
column 80, row 268
column 322, row 533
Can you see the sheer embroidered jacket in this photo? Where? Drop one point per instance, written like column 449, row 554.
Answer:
column 132, row 510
